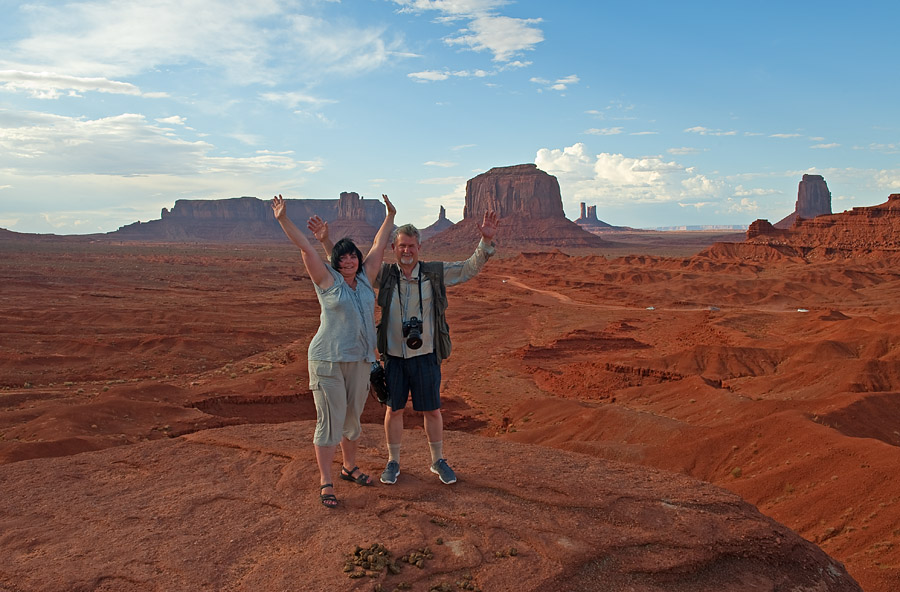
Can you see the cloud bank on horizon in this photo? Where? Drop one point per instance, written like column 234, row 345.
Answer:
column 671, row 114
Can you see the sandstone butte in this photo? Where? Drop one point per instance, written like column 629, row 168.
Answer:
column 721, row 421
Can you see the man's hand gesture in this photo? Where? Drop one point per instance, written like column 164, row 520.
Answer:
column 489, row 226
column 319, row 228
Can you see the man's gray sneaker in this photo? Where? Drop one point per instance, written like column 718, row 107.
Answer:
column 443, row 470
column 391, row 471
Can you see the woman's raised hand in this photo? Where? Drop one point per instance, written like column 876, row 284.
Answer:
column 278, row 206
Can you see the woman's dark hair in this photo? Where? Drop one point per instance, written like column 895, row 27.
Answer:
column 343, row 247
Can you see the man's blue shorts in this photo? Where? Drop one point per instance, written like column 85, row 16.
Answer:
column 419, row 376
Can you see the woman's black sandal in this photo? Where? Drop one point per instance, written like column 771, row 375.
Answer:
column 363, row 479
column 329, row 500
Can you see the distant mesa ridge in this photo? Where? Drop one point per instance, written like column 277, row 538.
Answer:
column 527, row 199
column 249, row 219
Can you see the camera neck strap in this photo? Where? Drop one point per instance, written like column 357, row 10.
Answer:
column 403, row 308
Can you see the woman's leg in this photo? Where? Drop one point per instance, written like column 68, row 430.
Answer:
column 356, row 379
column 326, row 383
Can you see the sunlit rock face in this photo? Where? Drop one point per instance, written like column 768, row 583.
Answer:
column 813, row 199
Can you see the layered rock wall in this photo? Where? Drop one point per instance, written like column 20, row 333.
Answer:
column 243, row 219
column 864, row 229
column 521, row 190
column 529, row 204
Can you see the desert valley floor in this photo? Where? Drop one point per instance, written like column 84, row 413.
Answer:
column 777, row 380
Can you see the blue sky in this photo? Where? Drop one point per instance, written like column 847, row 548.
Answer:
column 659, row 113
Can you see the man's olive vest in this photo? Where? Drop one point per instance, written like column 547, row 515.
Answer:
column 390, row 277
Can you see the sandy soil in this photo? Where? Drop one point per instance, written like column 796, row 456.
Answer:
column 776, row 380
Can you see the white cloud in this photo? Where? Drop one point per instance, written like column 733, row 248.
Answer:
column 886, row 148
column 825, row 146
column 784, row 136
column 429, row 76
column 174, row 120
column 888, row 180
column 619, row 180
column 560, row 84
column 683, row 150
column 121, row 145
column 435, row 75
column 743, row 205
column 452, row 7
column 741, row 191
column 293, row 99
column 48, row 85
column 453, row 201
column 443, row 164
column 503, row 36
column 606, row 131
column 443, row 181
column 116, row 39
column 112, row 39
column 705, row 131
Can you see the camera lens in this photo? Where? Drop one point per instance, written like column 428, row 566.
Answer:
column 412, row 330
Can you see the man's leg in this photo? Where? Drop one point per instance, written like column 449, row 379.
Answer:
column 434, row 430
column 393, row 435
column 398, row 387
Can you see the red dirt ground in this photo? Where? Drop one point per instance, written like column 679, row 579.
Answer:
column 777, row 380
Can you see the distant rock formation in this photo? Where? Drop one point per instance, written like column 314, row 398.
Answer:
column 352, row 220
column 521, row 190
column 866, row 228
column 588, row 220
column 440, row 225
column 529, row 204
column 813, row 199
column 249, row 219
column 865, row 232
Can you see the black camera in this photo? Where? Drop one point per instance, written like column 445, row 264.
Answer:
column 378, row 380
column 412, row 331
